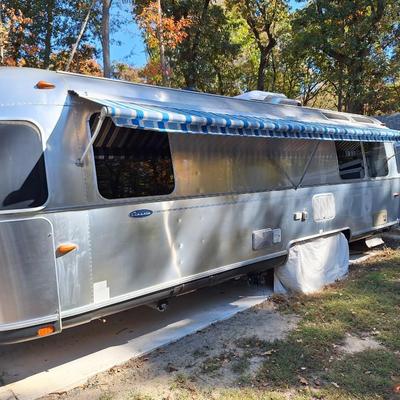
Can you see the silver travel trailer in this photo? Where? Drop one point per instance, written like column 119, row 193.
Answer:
column 116, row 194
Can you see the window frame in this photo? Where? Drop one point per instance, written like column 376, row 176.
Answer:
column 396, row 157
column 126, row 200
column 367, row 176
column 372, row 178
column 39, row 131
column 352, row 180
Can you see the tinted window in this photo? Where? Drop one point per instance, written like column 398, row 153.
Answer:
column 375, row 156
column 350, row 158
column 132, row 162
column 23, row 178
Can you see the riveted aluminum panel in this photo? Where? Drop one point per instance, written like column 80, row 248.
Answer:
column 28, row 283
column 74, row 269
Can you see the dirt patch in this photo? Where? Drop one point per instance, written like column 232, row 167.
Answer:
column 353, row 344
column 324, row 345
column 208, row 358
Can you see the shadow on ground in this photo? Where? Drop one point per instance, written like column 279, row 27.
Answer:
column 289, row 348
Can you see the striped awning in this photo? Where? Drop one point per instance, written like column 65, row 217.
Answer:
column 191, row 120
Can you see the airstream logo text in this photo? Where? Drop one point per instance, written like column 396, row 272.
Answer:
column 140, row 213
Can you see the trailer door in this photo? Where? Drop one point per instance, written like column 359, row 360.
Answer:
column 28, row 284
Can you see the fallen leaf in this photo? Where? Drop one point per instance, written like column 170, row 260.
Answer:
column 268, row 353
column 303, row 381
column 171, row 368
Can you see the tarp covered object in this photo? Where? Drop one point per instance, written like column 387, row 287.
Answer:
column 313, row 264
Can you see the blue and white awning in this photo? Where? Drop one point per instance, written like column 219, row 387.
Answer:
column 191, row 120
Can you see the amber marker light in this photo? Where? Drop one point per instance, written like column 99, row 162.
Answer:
column 66, row 248
column 46, row 330
column 45, row 85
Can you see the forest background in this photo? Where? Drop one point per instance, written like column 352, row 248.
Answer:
column 336, row 54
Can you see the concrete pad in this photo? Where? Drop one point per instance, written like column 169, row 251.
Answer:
column 6, row 394
column 357, row 258
column 64, row 361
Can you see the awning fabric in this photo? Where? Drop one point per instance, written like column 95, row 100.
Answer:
column 190, row 120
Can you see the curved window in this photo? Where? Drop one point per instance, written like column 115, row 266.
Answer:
column 23, row 178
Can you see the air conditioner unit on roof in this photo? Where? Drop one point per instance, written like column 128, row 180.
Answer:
column 268, row 97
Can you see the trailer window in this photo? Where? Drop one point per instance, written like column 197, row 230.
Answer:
column 23, row 178
column 132, row 162
column 350, row 158
column 396, row 148
column 375, row 155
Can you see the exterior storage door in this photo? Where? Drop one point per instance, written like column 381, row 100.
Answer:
column 28, row 282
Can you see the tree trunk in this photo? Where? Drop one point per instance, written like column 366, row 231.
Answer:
column 160, row 35
column 3, row 35
column 262, row 66
column 105, row 38
column 49, row 33
column 355, row 91
column 78, row 39
column 340, row 89
column 355, row 105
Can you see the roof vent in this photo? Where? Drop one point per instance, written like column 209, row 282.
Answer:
column 268, row 97
column 332, row 115
column 365, row 120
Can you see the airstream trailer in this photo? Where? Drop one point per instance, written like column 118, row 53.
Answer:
column 116, row 194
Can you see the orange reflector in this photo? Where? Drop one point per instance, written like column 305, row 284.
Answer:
column 45, row 85
column 66, row 248
column 46, row 330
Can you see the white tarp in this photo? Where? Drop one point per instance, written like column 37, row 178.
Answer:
column 313, row 264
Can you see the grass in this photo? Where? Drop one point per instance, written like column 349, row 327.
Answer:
column 368, row 303
column 212, row 364
column 308, row 364
column 240, row 365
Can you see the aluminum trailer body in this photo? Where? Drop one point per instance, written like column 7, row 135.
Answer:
column 100, row 212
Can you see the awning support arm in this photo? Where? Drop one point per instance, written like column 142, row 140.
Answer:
column 284, row 172
column 307, row 165
column 80, row 161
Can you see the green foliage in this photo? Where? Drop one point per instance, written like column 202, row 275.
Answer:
column 337, row 54
column 332, row 54
column 266, row 21
column 205, row 59
column 52, row 29
column 353, row 46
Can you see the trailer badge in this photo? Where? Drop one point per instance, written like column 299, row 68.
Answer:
column 140, row 213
